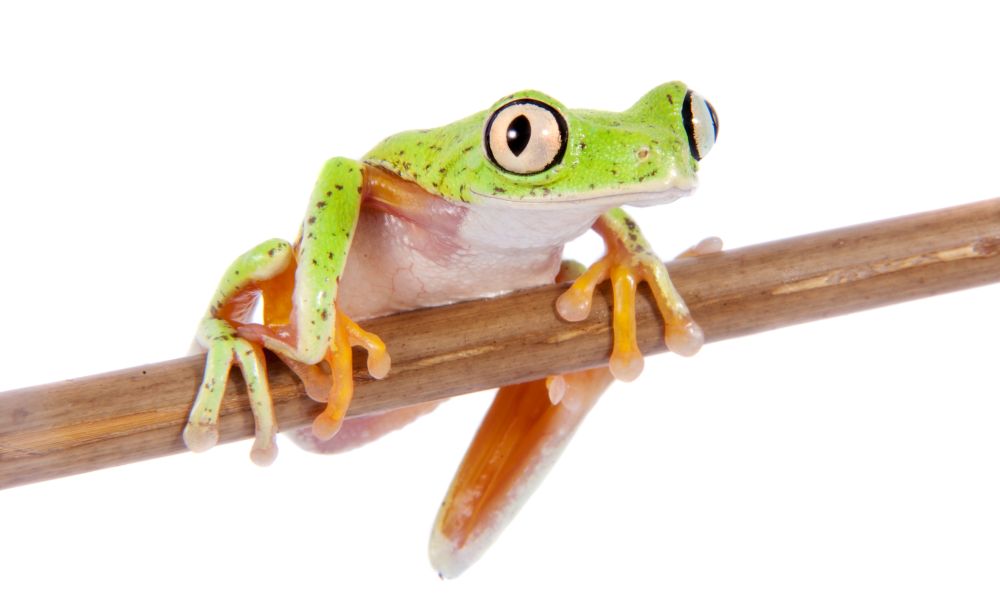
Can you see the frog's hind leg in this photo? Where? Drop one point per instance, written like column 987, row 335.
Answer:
column 233, row 303
column 522, row 435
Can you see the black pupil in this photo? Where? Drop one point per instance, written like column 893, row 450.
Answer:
column 518, row 134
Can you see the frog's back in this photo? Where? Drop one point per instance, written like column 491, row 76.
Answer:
column 437, row 159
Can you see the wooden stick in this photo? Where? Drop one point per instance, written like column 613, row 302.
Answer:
column 115, row 418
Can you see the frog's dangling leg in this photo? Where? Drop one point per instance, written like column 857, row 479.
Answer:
column 347, row 333
column 520, row 438
column 522, row 435
column 630, row 259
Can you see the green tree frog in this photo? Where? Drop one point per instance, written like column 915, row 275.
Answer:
column 476, row 208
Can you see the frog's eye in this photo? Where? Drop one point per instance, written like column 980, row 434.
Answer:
column 525, row 137
column 701, row 124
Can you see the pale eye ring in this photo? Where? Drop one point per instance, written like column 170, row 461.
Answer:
column 525, row 137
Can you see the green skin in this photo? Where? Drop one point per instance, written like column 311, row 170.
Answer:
column 450, row 161
column 600, row 163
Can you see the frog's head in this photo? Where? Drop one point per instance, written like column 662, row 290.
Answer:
column 530, row 149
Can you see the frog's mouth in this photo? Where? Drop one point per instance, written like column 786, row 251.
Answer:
column 648, row 193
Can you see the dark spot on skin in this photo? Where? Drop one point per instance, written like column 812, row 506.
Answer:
column 401, row 152
column 329, row 255
column 248, row 353
column 614, row 171
column 582, row 145
column 467, row 148
column 592, row 186
column 546, row 191
column 325, row 314
column 270, row 252
column 670, row 99
column 309, row 237
column 630, row 224
column 498, row 190
column 420, row 143
column 314, row 262
column 311, row 220
column 338, row 186
column 328, row 194
column 406, row 166
column 321, row 203
column 442, row 170
column 359, row 189
column 427, row 167
column 632, row 236
column 143, row 372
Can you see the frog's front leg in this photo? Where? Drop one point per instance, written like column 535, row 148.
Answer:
column 629, row 260
column 302, row 325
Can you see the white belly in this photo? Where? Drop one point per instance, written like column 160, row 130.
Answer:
column 399, row 264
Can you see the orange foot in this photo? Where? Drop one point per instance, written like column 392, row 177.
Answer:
column 628, row 261
column 334, row 386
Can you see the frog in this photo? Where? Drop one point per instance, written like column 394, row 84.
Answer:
column 477, row 208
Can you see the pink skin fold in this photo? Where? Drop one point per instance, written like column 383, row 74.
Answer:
column 358, row 431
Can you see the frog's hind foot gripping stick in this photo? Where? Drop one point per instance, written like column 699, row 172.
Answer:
column 302, row 322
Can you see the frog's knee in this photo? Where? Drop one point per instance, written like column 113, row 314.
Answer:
column 269, row 259
column 340, row 164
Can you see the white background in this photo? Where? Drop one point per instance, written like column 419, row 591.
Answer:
column 142, row 149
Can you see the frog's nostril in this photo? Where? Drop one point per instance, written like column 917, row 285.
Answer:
column 642, row 153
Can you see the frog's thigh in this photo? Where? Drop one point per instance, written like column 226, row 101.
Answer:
column 358, row 431
column 519, row 440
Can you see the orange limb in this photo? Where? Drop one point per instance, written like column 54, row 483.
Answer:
column 346, row 333
column 519, row 440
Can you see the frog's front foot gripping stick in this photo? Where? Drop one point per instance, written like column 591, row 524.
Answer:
column 629, row 260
